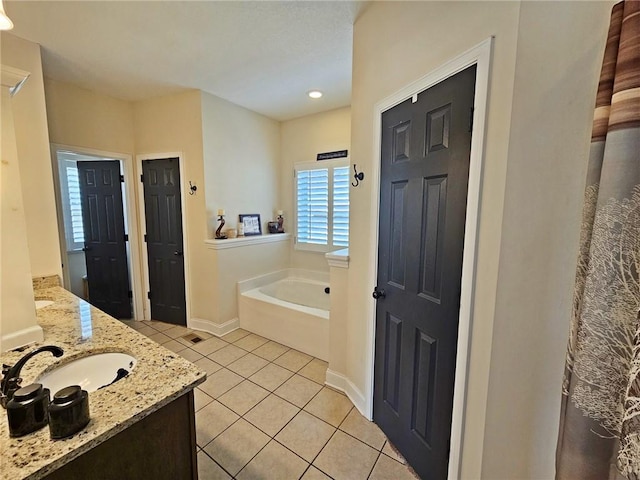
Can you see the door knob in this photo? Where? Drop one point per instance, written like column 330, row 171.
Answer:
column 178, row 253
column 86, row 249
column 378, row 294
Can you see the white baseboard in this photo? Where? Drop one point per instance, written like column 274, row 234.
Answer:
column 217, row 329
column 22, row 338
column 340, row 382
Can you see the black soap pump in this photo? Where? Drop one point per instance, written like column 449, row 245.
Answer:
column 68, row 412
column 27, row 411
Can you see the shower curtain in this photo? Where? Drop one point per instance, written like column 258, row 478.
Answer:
column 599, row 436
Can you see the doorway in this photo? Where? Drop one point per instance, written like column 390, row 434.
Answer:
column 105, row 237
column 164, row 240
column 480, row 56
column 426, row 146
column 71, row 227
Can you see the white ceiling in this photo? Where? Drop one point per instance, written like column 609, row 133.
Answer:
column 261, row 55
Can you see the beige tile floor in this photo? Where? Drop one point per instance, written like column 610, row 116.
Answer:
column 264, row 413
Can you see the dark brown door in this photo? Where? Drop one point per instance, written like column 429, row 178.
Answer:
column 105, row 241
column 165, row 253
column 423, row 197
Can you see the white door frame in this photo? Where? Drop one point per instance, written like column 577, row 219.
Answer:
column 143, row 230
column 479, row 55
column 126, row 166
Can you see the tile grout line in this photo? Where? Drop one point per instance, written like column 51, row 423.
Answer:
column 270, row 392
column 374, row 465
column 214, row 460
column 282, row 428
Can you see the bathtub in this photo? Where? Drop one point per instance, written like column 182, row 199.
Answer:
column 290, row 307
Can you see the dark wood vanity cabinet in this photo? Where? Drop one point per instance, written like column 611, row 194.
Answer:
column 161, row 446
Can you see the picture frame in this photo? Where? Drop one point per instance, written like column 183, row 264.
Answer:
column 251, row 223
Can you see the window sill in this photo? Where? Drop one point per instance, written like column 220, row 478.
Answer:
column 338, row 258
column 214, row 244
column 317, row 248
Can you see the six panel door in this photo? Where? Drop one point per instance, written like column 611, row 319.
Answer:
column 423, row 192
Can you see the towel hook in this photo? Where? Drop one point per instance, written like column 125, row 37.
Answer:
column 358, row 176
column 192, row 188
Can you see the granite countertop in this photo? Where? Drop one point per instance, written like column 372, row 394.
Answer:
column 159, row 377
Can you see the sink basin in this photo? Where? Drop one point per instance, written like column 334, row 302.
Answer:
column 91, row 373
column 43, row 303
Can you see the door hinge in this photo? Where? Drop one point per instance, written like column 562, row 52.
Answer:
column 149, row 295
column 145, row 238
column 142, row 178
column 126, row 237
column 121, row 178
column 471, row 120
column 130, row 294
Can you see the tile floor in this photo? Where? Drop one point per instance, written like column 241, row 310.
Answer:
column 264, row 413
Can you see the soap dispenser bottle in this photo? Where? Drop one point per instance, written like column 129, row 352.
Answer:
column 27, row 411
column 68, row 412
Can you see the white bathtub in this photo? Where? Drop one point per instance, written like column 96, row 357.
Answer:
column 290, row 307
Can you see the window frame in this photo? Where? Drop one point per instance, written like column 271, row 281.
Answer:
column 329, row 165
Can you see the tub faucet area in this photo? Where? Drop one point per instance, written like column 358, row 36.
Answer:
column 11, row 374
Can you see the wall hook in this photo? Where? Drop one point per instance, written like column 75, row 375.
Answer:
column 358, row 176
column 192, row 188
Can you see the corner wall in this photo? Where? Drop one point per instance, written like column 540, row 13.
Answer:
column 36, row 173
column 560, row 49
column 18, row 324
column 396, row 43
column 174, row 124
column 81, row 118
column 302, row 139
column 241, row 158
column 542, row 91
column 241, row 152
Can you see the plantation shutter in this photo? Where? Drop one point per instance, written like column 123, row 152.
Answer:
column 313, row 206
column 75, row 206
column 341, row 206
column 72, row 207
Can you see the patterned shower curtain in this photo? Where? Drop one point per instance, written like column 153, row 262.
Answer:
column 599, row 435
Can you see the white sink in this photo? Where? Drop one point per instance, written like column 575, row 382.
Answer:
column 91, row 373
column 43, row 303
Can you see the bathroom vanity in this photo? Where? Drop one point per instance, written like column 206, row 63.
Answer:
column 142, row 426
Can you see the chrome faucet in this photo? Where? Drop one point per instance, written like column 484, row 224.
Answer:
column 11, row 374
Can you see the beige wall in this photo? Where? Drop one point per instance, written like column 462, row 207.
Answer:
column 242, row 263
column 32, row 140
column 241, row 165
column 241, row 162
column 339, row 297
column 173, row 124
column 543, row 80
column 560, row 48
column 81, row 118
column 382, row 64
column 302, row 139
column 238, row 149
column 17, row 309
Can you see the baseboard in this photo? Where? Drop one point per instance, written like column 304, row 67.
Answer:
column 22, row 338
column 340, row 382
column 217, row 329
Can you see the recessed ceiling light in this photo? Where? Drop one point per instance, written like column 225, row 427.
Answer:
column 315, row 93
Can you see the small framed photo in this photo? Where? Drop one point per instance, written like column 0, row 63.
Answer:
column 251, row 224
